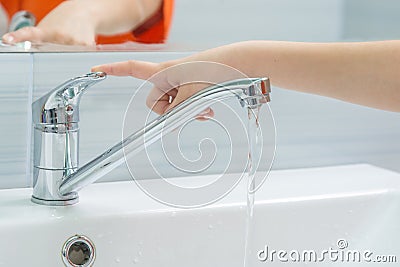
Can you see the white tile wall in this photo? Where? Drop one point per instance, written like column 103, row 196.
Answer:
column 317, row 131
column 312, row 130
column 15, row 81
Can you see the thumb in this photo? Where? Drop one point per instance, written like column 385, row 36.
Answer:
column 138, row 69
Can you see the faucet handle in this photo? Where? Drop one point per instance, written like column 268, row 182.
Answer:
column 61, row 105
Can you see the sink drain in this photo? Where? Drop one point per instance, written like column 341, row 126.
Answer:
column 78, row 251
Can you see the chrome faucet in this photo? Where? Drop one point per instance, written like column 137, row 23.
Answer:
column 56, row 175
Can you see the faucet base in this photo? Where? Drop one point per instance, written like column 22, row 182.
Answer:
column 61, row 202
column 46, row 187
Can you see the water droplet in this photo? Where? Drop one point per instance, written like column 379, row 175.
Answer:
column 117, row 260
column 210, row 226
column 135, row 261
column 140, row 253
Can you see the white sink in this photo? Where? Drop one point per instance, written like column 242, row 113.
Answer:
column 304, row 209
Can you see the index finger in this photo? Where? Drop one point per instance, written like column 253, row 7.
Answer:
column 138, row 69
column 32, row 34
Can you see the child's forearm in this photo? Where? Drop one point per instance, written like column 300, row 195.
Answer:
column 118, row 16
column 362, row 73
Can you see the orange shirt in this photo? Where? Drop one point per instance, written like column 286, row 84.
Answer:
column 154, row 30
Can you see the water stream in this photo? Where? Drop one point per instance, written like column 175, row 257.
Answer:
column 255, row 146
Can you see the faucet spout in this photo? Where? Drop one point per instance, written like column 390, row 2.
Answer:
column 251, row 93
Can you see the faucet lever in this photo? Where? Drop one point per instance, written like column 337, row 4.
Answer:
column 60, row 105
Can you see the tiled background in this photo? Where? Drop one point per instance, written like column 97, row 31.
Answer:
column 311, row 130
column 15, row 84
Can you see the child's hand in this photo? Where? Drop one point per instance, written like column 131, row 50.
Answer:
column 66, row 24
column 173, row 81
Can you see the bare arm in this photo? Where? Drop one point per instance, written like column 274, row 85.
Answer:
column 361, row 73
column 79, row 21
column 118, row 16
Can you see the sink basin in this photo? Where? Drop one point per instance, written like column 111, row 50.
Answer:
column 353, row 207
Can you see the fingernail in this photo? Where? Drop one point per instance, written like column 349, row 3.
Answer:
column 8, row 38
column 95, row 68
column 205, row 112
